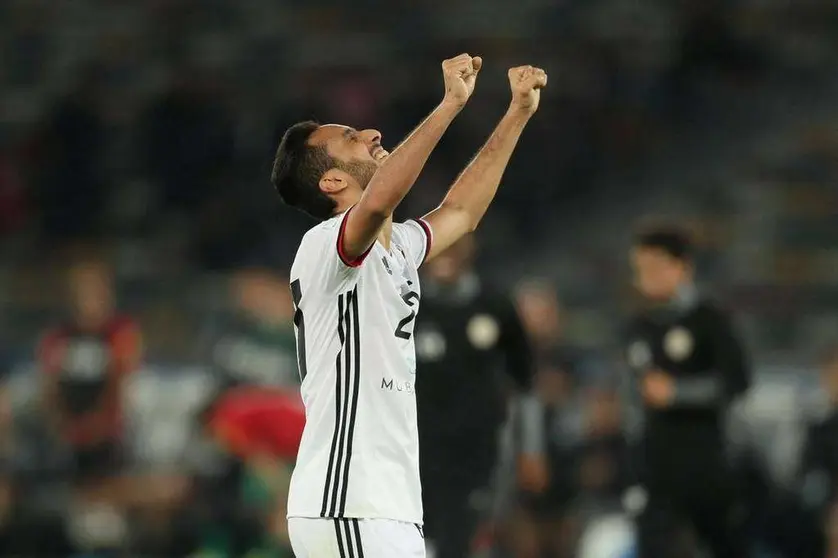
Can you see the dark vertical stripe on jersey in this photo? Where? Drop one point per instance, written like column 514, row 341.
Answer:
column 330, row 476
column 339, row 537
column 358, row 538
column 355, row 379
column 341, row 460
column 299, row 321
column 350, row 544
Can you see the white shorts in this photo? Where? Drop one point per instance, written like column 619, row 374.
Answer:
column 355, row 538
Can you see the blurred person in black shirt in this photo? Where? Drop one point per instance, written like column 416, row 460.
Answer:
column 465, row 336
column 689, row 365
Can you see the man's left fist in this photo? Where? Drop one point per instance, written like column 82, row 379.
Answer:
column 526, row 83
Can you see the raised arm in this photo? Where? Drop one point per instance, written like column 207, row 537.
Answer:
column 470, row 195
column 399, row 171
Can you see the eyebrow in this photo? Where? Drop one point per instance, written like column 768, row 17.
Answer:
column 349, row 133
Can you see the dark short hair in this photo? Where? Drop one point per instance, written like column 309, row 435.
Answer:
column 672, row 241
column 298, row 168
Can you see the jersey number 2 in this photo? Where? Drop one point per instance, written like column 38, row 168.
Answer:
column 409, row 298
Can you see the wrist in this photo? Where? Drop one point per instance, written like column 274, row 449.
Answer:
column 451, row 105
column 519, row 113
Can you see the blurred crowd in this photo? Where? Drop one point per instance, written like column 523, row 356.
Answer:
column 135, row 146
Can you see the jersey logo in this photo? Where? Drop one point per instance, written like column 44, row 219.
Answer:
column 678, row 344
column 483, row 331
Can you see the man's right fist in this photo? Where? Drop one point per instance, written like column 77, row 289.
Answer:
column 460, row 74
column 526, row 83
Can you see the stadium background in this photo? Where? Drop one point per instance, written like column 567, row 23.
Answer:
column 144, row 132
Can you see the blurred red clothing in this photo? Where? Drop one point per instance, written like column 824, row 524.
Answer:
column 259, row 420
column 88, row 368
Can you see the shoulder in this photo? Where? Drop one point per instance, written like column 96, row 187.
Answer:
column 411, row 231
column 121, row 323
column 711, row 309
column 314, row 240
column 50, row 339
column 413, row 236
column 124, row 336
column 323, row 229
column 53, row 335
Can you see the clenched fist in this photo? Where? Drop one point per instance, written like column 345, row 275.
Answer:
column 460, row 74
column 526, row 83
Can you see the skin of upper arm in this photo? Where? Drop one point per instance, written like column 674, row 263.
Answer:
column 449, row 225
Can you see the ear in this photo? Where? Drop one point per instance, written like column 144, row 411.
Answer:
column 333, row 181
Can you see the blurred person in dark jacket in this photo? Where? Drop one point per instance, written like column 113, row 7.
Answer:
column 251, row 416
column 689, row 365
column 469, row 344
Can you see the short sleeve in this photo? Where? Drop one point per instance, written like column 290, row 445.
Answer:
column 320, row 258
column 415, row 238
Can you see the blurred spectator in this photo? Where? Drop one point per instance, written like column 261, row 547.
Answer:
column 84, row 365
column 256, row 345
column 584, row 441
column 689, row 367
column 467, row 336
column 251, row 417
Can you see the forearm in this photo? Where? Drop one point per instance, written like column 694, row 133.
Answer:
column 393, row 180
column 475, row 188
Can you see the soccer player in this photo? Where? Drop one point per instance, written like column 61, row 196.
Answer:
column 355, row 490
column 690, row 366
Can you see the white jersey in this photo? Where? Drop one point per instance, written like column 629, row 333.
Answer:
column 359, row 456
